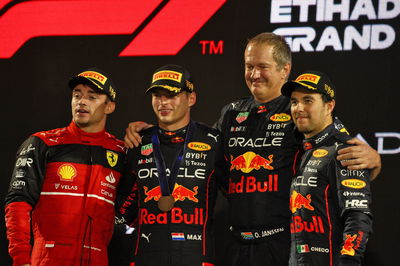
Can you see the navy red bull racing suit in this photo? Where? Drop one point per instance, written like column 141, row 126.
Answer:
column 182, row 236
column 64, row 185
column 260, row 145
column 330, row 205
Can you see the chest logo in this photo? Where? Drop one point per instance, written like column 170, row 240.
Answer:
column 298, row 201
column 199, row 146
column 354, row 183
column 249, row 161
column 66, row 172
column 180, row 193
column 320, row 153
column 242, row 117
column 282, row 117
column 112, row 158
column 146, row 149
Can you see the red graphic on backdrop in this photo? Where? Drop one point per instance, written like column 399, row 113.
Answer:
column 166, row 34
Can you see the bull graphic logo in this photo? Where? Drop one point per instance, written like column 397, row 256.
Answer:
column 348, row 245
column 249, row 161
column 180, row 193
column 298, row 201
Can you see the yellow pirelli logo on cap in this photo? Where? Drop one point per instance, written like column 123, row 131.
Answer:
column 94, row 75
column 308, row 77
column 171, row 75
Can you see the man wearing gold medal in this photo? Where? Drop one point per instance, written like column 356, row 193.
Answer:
column 176, row 171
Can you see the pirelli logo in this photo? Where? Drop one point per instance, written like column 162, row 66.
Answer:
column 171, row 75
column 94, row 75
column 308, row 77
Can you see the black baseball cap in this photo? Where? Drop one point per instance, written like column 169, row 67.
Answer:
column 312, row 80
column 173, row 78
column 98, row 78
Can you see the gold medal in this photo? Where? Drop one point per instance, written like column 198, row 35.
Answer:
column 166, row 203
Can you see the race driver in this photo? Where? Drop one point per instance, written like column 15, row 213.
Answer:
column 258, row 139
column 175, row 171
column 330, row 205
column 64, row 183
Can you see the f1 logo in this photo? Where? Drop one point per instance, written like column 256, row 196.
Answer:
column 174, row 24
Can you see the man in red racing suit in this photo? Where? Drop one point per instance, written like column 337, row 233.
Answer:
column 64, row 183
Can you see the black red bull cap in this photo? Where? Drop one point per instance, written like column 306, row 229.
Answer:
column 311, row 80
column 173, row 78
column 98, row 78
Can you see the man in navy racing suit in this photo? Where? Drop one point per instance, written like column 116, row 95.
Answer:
column 175, row 171
column 330, row 205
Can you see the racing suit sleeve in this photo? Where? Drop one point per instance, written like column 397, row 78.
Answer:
column 354, row 195
column 24, row 192
column 127, row 202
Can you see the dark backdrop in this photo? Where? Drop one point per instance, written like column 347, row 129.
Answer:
column 44, row 43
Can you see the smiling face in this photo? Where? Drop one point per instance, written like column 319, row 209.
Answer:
column 90, row 109
column 263, row 76
column 172, row 110
column 310, row 113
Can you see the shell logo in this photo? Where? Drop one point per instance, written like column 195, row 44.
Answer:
column 354, row 183
column 66, row 172
column 282, row 117
column 320, row 153
column 199, row 146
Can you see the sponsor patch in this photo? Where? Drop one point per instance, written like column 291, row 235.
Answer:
column 354, row 183
column 199, row 146
column 146, row 149
column 112, row 158
column 171, row 75
column 249, row 161
column 94, row 75
column 320, row 153
column 66, row 172
column 308, row 77
column 348, row 246
column 282, row 117
column 242, row 117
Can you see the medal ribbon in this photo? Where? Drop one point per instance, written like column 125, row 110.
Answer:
column 167, row 184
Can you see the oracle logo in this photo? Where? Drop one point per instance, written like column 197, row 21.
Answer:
column 164, row 34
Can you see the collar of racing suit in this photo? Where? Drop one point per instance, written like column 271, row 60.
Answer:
column 86, row 137
column 320, row 138
column 176, row 136
column 266, row 107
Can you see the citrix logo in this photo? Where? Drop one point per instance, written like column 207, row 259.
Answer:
column 172, row 22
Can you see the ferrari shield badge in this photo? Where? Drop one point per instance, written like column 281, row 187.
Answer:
column 112, row 158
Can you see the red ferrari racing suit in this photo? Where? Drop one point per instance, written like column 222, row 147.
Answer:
column 182, row 236
column 331, row 218
column 65, row 181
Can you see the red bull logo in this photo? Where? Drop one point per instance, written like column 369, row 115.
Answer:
column 154, row 193
column 299, row 225
column 249, row 161
column 176, row 216
column 179, row 193
column 298, row 201
column 348, row 245
column 250, row 184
